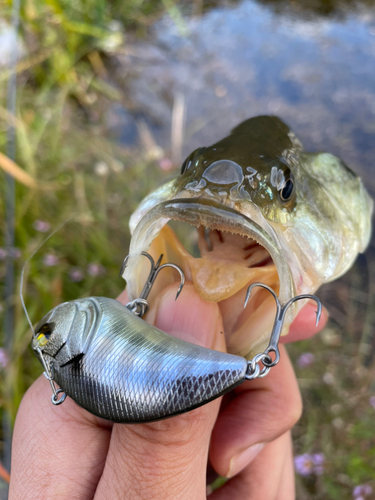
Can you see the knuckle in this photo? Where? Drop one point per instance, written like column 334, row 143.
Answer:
column 295, row 409
column 287, row 410
column 176, row 431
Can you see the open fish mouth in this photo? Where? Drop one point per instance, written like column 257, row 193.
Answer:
column 266, row 211
column 233, row 251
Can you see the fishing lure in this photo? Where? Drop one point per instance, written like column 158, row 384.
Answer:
column 120, row 368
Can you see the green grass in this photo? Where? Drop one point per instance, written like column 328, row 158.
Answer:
column 62, row 136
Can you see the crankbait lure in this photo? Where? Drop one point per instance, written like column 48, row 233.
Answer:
column 118, row 367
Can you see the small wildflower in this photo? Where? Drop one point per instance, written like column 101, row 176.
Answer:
column 308, row 464
column 76, row 274
column 165, row 164
column 15, row 253
column 362, row 491
column 94, row 269
column 306, row 359
column 328, row 378
column 3, row 254
column 50, row 260
column 372, row 401
column 303, row 464
column 101, row 168
column 338, row 423
column 318, row 460
column 4, row 359
column 42, row 226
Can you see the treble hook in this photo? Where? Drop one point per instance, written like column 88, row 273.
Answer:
column 140, row 306
column 273, row 345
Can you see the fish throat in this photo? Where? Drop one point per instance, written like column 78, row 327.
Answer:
column 223, row 253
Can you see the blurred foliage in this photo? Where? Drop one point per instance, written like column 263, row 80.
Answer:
column 337, row 418
column 65, row 137
column 65, row 141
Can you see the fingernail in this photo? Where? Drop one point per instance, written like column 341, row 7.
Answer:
column 243, row 458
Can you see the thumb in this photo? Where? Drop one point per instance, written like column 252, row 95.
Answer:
column 167, row 459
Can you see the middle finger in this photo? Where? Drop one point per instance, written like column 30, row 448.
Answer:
column 260, row 411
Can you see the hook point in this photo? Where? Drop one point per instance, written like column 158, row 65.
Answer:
column 247, row 298
column 159, row 261
column 318, row 313
column 179, row 291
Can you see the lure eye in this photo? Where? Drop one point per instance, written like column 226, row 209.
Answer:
column 286, row 191
column 44, row 334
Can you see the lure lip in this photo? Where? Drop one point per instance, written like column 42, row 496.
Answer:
column 210, row 214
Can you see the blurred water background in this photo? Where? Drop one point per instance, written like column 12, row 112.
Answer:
column 111, row 96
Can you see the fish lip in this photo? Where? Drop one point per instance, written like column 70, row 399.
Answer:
column 207, row 213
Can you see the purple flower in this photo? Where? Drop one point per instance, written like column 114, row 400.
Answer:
column 42, row 226
column 303, row 464
column 361, row 491
column 15, row 253
column 50, row 260
column 318, row 460
column 372, row 401
column 4, row 359
column 76, row 274
column 165, row 164
column 308, row 464
column 306, row 359
column 94, row 269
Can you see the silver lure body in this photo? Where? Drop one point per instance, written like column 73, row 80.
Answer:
column 118, row 367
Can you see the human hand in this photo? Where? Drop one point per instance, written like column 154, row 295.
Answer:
column 65, row 452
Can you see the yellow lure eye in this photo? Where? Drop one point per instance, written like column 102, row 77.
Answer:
column 44, row 335
column 42, row 339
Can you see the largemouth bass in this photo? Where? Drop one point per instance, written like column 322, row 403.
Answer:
column 265, row 211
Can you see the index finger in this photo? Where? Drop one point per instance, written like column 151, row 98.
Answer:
column 304, row 327
column 56, row 451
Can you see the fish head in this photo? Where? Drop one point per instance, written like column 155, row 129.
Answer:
column 65, row 332
column 253, row 164
column 266, row 211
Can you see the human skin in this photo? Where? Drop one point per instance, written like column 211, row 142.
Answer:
column 64, row 452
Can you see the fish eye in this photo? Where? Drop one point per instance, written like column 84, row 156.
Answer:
column 43, row 334
column 185, row 165
column 191, row 159
column 287, row 189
